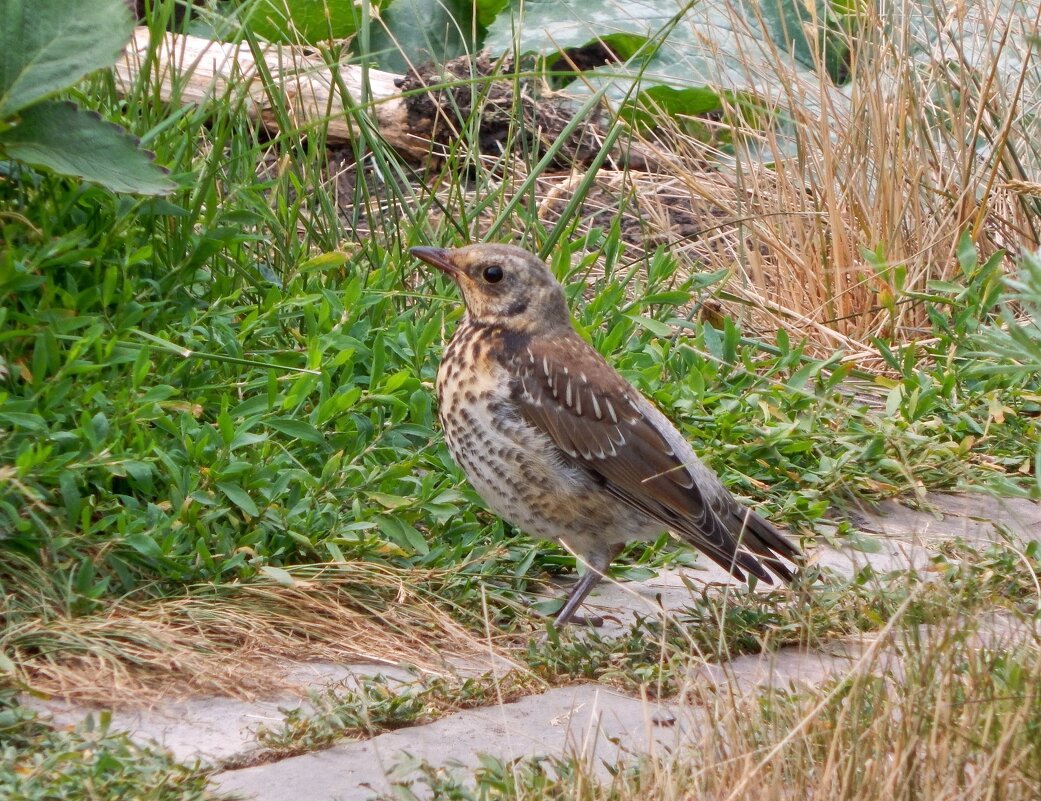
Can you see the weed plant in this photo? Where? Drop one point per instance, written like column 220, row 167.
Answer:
column 90, row 761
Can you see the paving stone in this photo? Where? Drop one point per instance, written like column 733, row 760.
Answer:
column 795, row 669
column 215, row 729
column 619, row 604
column 589, row 721
column 974, row 517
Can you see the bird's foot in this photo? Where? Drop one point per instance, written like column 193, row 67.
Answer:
column 595, row 621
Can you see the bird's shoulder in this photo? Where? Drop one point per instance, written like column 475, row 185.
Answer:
column 563, row 386
column 567, row 375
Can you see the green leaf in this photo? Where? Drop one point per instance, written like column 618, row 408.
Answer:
column 810, row 30
column 49, row 45
column 417, row 31
column 99, row 425
column 692, row 102
column 310, row 21
column 657, row 328
column 710, row 46
column 549, row 25
column 324, row 261
column 144, row 545
column 390, row 501
column 300, row 429
column 949, row 287
column 488, row 10
column 138, row 470
column 70, row 494
column 26, row 420
column 968, row 256
column 713, row 342
column 403, row 535
column 674, row 297
column 69, row 141
column 239, row 497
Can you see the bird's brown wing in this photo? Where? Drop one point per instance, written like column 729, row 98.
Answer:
column 567, row 390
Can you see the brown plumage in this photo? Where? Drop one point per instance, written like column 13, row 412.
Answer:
column 562, row 446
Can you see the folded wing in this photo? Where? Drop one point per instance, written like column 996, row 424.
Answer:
column 601, row 423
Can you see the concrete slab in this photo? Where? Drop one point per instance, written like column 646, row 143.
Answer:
column 974, row 517
column 214, row 729
column 794, row 669
column 594, row 724
column 589, row 721
column 619, row 604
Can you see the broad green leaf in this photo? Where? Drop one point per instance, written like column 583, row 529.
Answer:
column 420, row 31
column 311, row 21
column 549, row 25
column 698, row 49
column 69, row 141
column 488, row 10
column 48, row 45
column 239, row 497
column 403, row 535
column 296, row 428
column 788, row 23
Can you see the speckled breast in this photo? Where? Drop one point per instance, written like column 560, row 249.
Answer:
column 514, row 467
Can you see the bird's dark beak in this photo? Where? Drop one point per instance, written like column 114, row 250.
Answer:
column 438, row 257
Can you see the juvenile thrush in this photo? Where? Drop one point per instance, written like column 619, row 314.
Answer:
column 562, row 446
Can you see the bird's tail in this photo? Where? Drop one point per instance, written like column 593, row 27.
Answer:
column 762, row 538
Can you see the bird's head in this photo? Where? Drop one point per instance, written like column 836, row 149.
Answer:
column 502, row 284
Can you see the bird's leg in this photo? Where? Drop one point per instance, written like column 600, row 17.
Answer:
column 596, row 564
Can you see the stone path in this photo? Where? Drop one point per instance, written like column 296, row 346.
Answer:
column 589, row 720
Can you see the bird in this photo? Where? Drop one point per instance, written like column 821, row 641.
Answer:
column 559, row 444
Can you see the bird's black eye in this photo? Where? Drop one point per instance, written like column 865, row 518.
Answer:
column 493, row 274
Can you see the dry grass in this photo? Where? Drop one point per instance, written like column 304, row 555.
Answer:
column 234, row 640
column 925, row 143
column 869, row 187
column 951, row 718
column 940, row 713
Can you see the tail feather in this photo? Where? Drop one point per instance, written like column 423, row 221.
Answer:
column 762, row 538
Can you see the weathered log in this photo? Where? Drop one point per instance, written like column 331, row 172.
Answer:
column 190, row 69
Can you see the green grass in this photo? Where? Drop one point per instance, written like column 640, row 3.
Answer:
column 205, row 390
column 200, row 387
column 38, row 762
